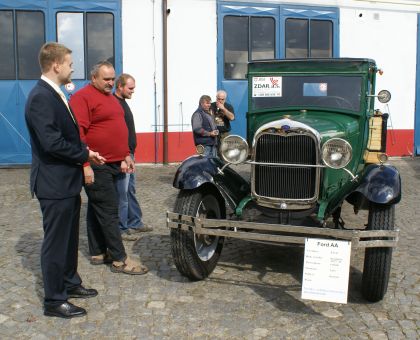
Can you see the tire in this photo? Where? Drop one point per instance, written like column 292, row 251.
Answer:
column 196, row 256
column 377, row 263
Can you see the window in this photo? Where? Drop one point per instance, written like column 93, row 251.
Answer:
column 262, row 38
column 296, row 38
column 91, row 42
column 30, row 36
column 308, row 38
column 321, row 39
column 245, row 39
column 235, row 41
column 70, row 33
column 100, row 38
column 7, row 55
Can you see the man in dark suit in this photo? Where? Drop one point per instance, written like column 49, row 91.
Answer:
column 56, row 179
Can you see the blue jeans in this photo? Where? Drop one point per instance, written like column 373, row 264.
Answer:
column 210, row 150
column 129, row 209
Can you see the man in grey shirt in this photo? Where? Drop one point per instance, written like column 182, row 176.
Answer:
column 204, row 127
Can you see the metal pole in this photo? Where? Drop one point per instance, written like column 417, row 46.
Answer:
column 165, row 13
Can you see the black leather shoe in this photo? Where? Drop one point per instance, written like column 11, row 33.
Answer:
column 66, row 310
column 81, row 292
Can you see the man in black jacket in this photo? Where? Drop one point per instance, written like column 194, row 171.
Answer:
column 56, row 180
column 129, row 210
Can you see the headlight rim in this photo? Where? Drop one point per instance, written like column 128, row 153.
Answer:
column 332, row 140
column 224, row 157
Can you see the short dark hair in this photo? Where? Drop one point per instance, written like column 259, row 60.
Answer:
column 50, row 53
column 122, row 79
column 205, row 98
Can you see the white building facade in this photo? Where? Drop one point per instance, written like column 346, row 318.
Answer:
column 178, row 50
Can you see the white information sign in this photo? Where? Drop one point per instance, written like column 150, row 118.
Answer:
column 267, row 86
column 326, row 270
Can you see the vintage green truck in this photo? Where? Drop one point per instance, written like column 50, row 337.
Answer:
column 314, row 140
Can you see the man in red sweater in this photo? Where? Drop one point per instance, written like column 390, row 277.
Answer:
column 103, row 128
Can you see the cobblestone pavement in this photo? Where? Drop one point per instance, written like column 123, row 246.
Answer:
column 254, row 293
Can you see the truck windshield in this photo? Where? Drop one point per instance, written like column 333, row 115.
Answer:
column 333, row 92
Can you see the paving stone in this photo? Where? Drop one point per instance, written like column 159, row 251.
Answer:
column 156, row 304
column 3, row 318
column 332, row 313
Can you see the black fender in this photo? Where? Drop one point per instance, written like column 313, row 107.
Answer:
column 198, row 171
column 379, row 184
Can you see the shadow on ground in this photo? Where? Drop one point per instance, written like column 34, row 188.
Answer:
column 28, row 248
column 264, row 263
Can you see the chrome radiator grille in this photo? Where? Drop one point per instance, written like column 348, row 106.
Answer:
column 284, row 182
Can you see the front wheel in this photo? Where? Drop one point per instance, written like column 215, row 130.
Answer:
column 377, row 264
column 196, row 255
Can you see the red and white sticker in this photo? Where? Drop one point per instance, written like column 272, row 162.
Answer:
column 267, row 86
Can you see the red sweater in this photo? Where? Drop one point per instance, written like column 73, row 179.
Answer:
column 101, row 123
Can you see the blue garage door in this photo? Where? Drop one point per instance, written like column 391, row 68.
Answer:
column 92, row 29
column 257, row 31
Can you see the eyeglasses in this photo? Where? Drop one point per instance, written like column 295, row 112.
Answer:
column 218, row 98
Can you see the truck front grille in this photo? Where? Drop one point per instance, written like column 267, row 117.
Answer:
column 282, row 182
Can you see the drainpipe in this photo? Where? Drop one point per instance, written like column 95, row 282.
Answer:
column 165, row 13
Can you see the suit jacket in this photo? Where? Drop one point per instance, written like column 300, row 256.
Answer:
column 57, row 151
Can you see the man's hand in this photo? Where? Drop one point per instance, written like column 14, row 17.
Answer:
column 130, row 164
column 223, row 111
column 214, row 133
column 221, row 107
column 127, row 165
column 89, row 175
column 96, row 158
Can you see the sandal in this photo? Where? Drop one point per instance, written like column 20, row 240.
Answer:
column 100, row 259
column 129, row 266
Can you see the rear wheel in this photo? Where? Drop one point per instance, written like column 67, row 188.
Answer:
column 377, row 264
column 196, row 255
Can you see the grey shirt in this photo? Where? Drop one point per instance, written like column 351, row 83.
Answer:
column 197, row 122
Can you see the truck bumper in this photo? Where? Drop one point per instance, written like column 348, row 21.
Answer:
column 280, row 233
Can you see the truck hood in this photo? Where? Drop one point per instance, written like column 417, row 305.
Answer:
column 325, row 125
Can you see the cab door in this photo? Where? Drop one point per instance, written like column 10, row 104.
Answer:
column 258, row 31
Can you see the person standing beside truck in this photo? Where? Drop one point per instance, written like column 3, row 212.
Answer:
column 129, row 210
column 57, row 179
column 223, row 114
column 204, row 128
column 102, row 127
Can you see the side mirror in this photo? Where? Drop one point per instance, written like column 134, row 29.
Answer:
column 384, row 96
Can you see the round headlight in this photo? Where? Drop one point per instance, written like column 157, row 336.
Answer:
column 336, row 153
column 234, row 149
